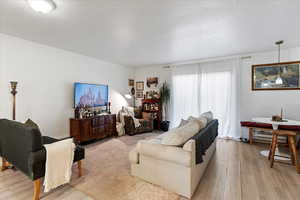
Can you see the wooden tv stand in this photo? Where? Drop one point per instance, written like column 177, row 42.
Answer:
column 98, row 127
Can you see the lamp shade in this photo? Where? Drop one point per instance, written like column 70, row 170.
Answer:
column 128, row 96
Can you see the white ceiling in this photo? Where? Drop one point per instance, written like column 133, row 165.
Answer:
column 149, row 32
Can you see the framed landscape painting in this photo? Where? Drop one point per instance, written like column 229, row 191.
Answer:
column 276, row 76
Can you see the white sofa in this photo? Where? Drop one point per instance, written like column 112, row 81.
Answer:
column 171, row 167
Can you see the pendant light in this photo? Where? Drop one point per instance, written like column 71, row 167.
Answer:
column 279, row 80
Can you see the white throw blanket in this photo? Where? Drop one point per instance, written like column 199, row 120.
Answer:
column 59, row 160
column 130, row 112
column 136, row 122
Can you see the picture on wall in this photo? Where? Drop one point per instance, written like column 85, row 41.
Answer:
column 277, row 76
column 140, row 85
column 139, row 94
column 152, row 81
column 131, row 82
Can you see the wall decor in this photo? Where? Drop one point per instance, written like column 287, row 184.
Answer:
column 140, row 85
column 152, row 81
column 276, row 76
column 139, row 94
column 131, row 82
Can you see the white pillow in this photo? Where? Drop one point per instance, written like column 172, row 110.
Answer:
column 179, row 136
column 201, row 120
column 183, row 122
column 208, row 115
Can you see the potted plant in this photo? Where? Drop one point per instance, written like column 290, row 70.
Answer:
column 164, row 93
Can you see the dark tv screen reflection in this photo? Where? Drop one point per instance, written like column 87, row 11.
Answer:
column 90, row 95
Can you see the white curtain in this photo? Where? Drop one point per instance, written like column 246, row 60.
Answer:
column 212, row 86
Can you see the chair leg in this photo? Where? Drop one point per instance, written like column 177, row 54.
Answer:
column 251, row 135
column 291, row 150
column 4, row 164
column 37, row 189
column 292, row 139
column 270, row 149
column 79, row 163
column 274, row 144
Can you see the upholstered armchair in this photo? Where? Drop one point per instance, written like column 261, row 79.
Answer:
column 22, row 147
column 130, row 129
column 125, row 118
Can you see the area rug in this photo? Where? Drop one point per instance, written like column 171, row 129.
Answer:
column 106, row 176
column 107, row 173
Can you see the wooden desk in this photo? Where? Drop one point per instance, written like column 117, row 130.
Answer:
column 254, row 125
column 266, row 124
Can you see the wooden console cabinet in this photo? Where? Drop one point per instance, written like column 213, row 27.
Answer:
column 97, row 127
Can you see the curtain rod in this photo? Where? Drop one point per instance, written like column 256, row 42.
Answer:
column 206, row 60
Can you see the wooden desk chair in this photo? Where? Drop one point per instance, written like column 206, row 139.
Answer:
column 291, row 142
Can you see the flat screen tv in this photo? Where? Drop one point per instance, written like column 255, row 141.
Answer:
column 90, row 95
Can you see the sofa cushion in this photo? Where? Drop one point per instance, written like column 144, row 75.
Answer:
column 31, row 124
column 183, row 122
column 138, row 112
column 208, row 115
column 163, row 152
column 201, row 120
column 179, row 136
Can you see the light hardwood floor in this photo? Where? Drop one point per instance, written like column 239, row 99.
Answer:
column 237, row 171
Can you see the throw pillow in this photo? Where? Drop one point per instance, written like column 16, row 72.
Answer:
column 201, row 120
column 180, row 135
column 183, row 122
column 31, row 124
column 138, row 112
column 208, row 115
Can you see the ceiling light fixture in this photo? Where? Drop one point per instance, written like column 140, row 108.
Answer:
column 43, row 6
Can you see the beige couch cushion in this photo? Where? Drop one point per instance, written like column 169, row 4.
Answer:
column 163, row 152
column 201, row 120
column 179, row 136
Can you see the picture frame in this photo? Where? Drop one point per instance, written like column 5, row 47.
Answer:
column 131, row 82
column 139, row 94
column 152, row 81
column 276, row 76
column 140, row 86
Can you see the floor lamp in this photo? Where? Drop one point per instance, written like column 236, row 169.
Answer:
column 5, row 165
column 14, row 92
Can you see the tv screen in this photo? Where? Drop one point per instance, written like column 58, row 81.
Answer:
column 90, row 95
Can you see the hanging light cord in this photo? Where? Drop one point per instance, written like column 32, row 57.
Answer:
column 279, row 53
column 279, row 43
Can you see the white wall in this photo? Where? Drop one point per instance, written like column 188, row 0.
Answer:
column 268, row 103
column 46, row 76
column 253, row 103
column 163, row 74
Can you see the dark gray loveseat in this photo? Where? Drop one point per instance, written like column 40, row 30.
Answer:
column 22, row 147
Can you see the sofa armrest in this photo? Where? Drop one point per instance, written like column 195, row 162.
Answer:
column 37, row 160
column 36, row 164
column 134, row 156
column 190, row 145
column 129, row 125
column 163, row 152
